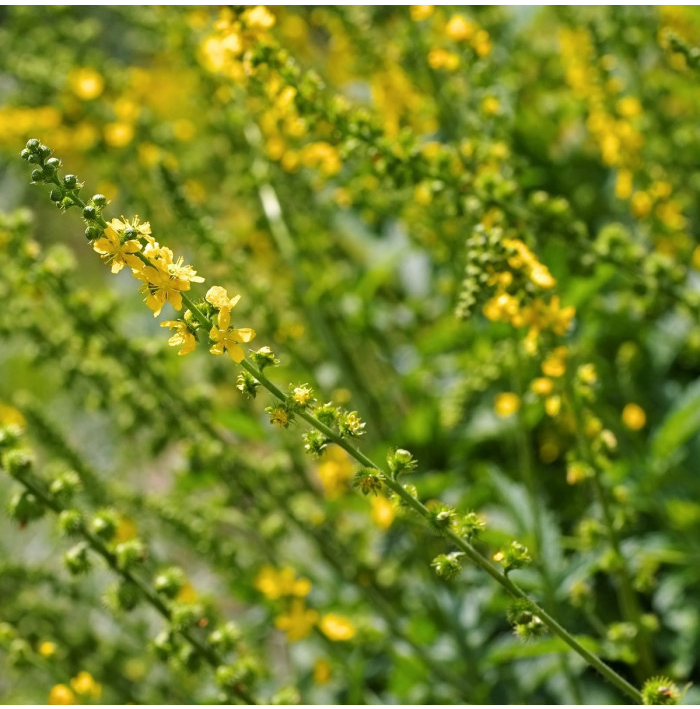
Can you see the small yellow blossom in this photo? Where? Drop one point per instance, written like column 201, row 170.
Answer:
column 118, row 134
column 183, row 336
column 322, row 671
column 298, row 621
column 228, row 339
column 633, row 417
column 218, row 297
column 337, row 627
column 335, row 471
column 490, row 105
column 61, row 694
column 542, row 386
column 383, row 511
column 499, row 556
column 624, row 184
column 259, row 17
column 302, row 394
column 84, row 685
column 439, row 58
column 507, row 404
column 555, row 363
column 641, row 204
column 587, row 373
column 421, row 12
column 112, row 250
column 482, row 43
column 86, row 83
column 552, row 405
column 47, row 649
column 459, row 29
column 274, row 584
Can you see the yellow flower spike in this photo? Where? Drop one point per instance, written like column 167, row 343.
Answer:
column 298, row 622
column 183, row 336
column 61, row 694
column 337, row 627
column 507, row 404
column 634, row 417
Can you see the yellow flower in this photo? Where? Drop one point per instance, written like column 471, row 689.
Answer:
column 542, row 386
column 275, row 584
column 61, row 694
column 335, row 471
column 112, row 250
column 84, row 684
column 421, row 12
column 507, row 404
column 555, row 363
column 228, row 339
column 459, row 29
column 218, row 297
column 439, row 58
column 118, row 134
column 160, row 289
column 490, row 105
column 259, row 17
column 322, row 671
column 183, row 336
column 633, row 417
column 383, row 512
column 86, row 83
column 298, row 621
column 337, row 627
column 47, row 649
column 552, row 405
column 302, row 394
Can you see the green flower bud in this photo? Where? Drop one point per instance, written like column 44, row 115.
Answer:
column 327, row 414
column 17, row 462
column 264, row 357
column 99, row 200
column 469, row 525
column 70, row 181
column 515, row 556
column 660, row 690
column 130, row 553
column 71, row 522
column 447, row 566
column 92, row 233
column 9, row 436
column 526, row 624
column 54, row 195
column 24, row 507
column 89, row 213
column 77, row 560
column 165, row 644
column 45, row 151
column 33, row 145
column 65, row 485
column 226, row 637
column 104, row 524
column 169, row 582
column 51, row 165
column 185, row 615
column 400, row 461
column 315, row 443
column 38, row 176
column 123, row 596
column 247, row 384
column 24, row 154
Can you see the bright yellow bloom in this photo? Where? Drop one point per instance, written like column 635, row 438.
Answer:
column 218, row 297
column 421, row 12
column 633, row 417
column 160, row 289
column 112, row 250
column 383, row 512
column 86, row 83
column 507, row 404
column 183, row 336
column 302, row 394
column 555, row 363
column 61, row 694
column 439, row 58
column 542, row 386
column 259, row 17
column 298, row 621
column 337, row 627
column 275, row 583
column 459, row 29
column 228, row 339
column 47, row 649
column 84, row 684
column 118, row 134
column 552, row 405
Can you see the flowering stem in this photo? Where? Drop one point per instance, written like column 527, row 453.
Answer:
column 477, row 558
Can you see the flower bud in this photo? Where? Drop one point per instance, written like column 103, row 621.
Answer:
column 169, row 582
column 70, row 181
column 70, row 522
column 104, row 524
column 17, row 462
column 77, row 560
column 99, row 200
column 33, row 145
column 24, row 507
column 447, row 566
column 130, row 553
column 89, row 213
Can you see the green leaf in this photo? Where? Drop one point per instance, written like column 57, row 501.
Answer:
column 682, row 423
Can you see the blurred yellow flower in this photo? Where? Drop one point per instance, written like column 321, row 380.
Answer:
column 118, row 134
column 274, row 583
column 337, row 627
column 61, row 694
column 298, row 621
column 322, row 671
column 84, row 685
column 459, row 29
column 383, row 512
column 507, row 404
column 633, row 417
column 86, row 83
column 47, row 649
